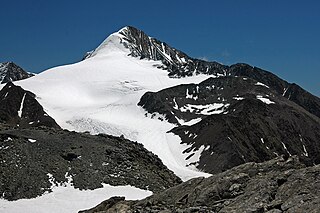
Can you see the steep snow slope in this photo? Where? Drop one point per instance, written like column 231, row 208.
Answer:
column 100, row 95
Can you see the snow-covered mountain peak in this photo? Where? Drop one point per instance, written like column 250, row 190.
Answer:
column 135, row 43
column 113, row 43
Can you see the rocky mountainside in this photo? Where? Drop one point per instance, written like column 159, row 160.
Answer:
column 35, row 154
column 279, row 185
column 33, row 159
column 19, row 107
column 9, row 71
column 233, row 120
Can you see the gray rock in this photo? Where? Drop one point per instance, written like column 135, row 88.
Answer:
column 28, row 155
column 9, row 72
column 274, row 186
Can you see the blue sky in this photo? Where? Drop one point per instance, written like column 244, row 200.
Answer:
column 281, row 36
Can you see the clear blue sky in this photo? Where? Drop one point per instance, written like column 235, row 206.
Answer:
column 282, row 36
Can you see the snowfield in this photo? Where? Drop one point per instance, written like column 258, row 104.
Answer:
column 66, row 199
column 100, row 95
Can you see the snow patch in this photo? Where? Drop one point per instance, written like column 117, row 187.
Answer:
column 32, row 140
column 285, row 147
column 238, row 98
column 192, row 122
column 21, row 105
column 285, row 91
column 265, row 100
column 191, row 95
column 305, row 151
column 208, row 109
column 66, row 199
column 261, row 84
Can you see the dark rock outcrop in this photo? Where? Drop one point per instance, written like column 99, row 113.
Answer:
column 290, row 91
column 31, row 159
column 242, row 120
column 19, row 108
column 274, row 186
column 9, row 71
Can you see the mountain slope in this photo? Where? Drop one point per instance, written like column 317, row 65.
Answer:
column 9, row 71
column 100, row 94
column 233, row 120
column 179, row 64
column 292, row 92
column 33, row 160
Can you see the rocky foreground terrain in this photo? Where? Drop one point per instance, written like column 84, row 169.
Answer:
column 275, row 186
column 31, row 159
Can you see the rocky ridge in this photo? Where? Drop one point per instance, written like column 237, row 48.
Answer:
column 20, row 108
column 9, row 72
column 233, row 120
column 275, row 186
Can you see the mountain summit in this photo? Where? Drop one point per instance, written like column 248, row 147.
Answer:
column 142, row 46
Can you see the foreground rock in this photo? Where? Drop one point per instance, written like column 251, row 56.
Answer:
column 31, row 159
column 274, row 186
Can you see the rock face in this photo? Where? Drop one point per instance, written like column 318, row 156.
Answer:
column 274, row 186
column 232, row 120
column 19, row 107
column 31, row 159
column 180, row 64
column 9, row 71
column 292, row 92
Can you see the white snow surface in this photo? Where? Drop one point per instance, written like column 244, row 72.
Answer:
column 261, row 84
column 100, row 95
column 67, row 199
column 208, row 109
column 32, row 140
column 265, row 100
column 21, row 106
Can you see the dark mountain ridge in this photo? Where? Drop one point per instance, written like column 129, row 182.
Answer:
column 241, row 120
column 19, row 107
column 9, row 72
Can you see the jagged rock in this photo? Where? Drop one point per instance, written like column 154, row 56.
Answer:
column 29, row 156
column 9, row 71
column 238, row 120
column 19, row 107
column 277, row 185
